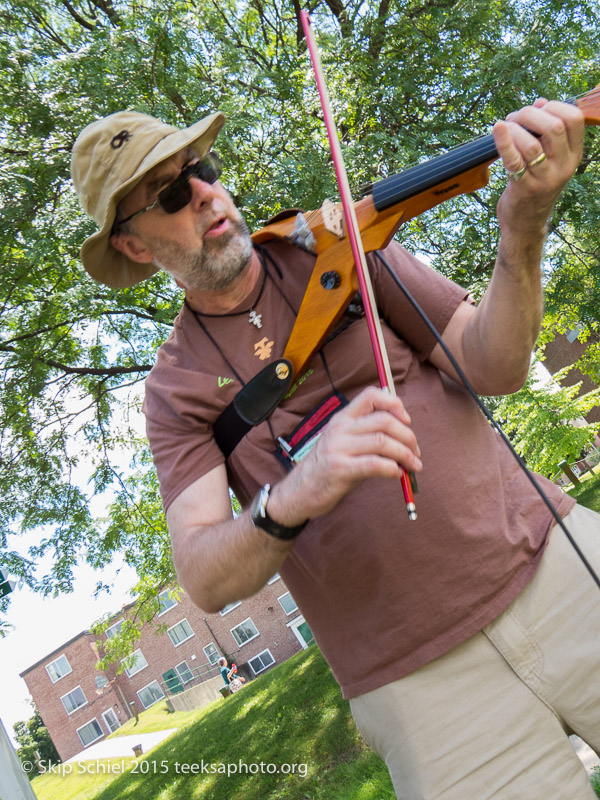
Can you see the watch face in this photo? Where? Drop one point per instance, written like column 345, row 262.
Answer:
column 262, row 501
column 258, row 510
column 260, row 518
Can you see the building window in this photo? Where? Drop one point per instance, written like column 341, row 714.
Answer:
column 58, row 668
column 90, row 733
column 229, row 607
column 211, row 653
column 138, row 664
column 114, row 629
column 273, row 579
column 244, row 632
column 287, row 602
column 165, row 602
column 185, row 673
column 150, row 694
column 180, row 632
column 111, row 720
column 261, row 661
column 73, row 700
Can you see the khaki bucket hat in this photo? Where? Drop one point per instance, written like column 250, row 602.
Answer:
column 109, row 158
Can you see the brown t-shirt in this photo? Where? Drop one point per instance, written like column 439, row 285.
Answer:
column 382, row 595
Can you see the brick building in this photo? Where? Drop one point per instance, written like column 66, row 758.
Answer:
column 566, row 349
column 80, row 704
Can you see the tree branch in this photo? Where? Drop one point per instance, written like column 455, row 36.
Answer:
column 104, row 371
column 77, row 17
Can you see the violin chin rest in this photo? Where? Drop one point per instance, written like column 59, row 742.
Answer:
column 289, row 212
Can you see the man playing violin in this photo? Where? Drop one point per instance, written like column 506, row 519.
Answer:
column 468, row 641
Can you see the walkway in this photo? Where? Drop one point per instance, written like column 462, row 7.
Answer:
column 122, row 746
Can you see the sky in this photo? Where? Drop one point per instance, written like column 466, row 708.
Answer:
column 41, row 624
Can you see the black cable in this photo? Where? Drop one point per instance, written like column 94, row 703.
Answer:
column 487, row 413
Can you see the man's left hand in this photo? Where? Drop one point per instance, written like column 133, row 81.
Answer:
column 548, row 159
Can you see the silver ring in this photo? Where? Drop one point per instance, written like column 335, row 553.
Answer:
column 516, row 175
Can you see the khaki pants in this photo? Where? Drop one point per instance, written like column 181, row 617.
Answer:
column 491, row 718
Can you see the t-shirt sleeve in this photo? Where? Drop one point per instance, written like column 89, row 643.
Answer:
column 181, row 439
column 437, row 296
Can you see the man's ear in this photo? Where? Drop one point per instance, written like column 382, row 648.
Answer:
column 131, row 245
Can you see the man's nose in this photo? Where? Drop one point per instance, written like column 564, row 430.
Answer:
column 202, row 191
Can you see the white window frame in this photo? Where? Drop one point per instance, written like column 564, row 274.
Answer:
column 283, row 607
column 172, row 600
column 187, row 669
column 229, row 607
column 241, row 644
column 258, row 655
column 181, row 621
column 131, row 671
column 118, row 625
column 113, row 712
column 158, row 699
column 218, row 655
column 55, row 680
column 62, row 700
column 94, row 719
column 275, row 577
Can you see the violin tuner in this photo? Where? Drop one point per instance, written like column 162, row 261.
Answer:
column 331, row 279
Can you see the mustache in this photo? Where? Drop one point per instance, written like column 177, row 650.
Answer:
column 217, row 216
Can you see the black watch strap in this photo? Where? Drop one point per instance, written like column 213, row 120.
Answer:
column 261, row 519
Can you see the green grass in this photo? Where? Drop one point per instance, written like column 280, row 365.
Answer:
column 294, row 715
column 588, row 492
column 595, row 779
column 158, row 718
column 72, row 786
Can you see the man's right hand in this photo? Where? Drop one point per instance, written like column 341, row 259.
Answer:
column 220, row 560
column 369, row 438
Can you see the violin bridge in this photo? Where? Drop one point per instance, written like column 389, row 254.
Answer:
column 333, row 218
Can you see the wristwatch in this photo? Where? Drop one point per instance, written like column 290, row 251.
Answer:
column 261, row 519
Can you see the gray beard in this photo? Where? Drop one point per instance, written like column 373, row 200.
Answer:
column 214, row 266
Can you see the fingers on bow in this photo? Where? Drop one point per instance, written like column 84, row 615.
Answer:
column 376, row 425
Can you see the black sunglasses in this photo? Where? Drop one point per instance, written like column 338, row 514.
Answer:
column 178, row 194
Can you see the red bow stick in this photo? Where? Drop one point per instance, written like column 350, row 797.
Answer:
column 364, row 279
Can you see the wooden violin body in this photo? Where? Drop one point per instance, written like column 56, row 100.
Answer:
column 394, row 200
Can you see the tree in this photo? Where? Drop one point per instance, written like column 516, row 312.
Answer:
column 33, row 736
column 408, row 79
column 546, row 422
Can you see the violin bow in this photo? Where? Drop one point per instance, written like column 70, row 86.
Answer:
column 362, row 272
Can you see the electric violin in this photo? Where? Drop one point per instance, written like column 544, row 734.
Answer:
column 338, row 271
column 391, row 202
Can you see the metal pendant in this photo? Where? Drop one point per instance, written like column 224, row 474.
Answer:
column 255, row 319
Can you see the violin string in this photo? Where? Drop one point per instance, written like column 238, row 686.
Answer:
column 410, row 181
column 472, row 149
column 584, row 95
column 587, row 102
column 459, row 157
column 413, row 179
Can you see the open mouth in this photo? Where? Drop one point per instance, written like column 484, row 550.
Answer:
column 218, row 227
